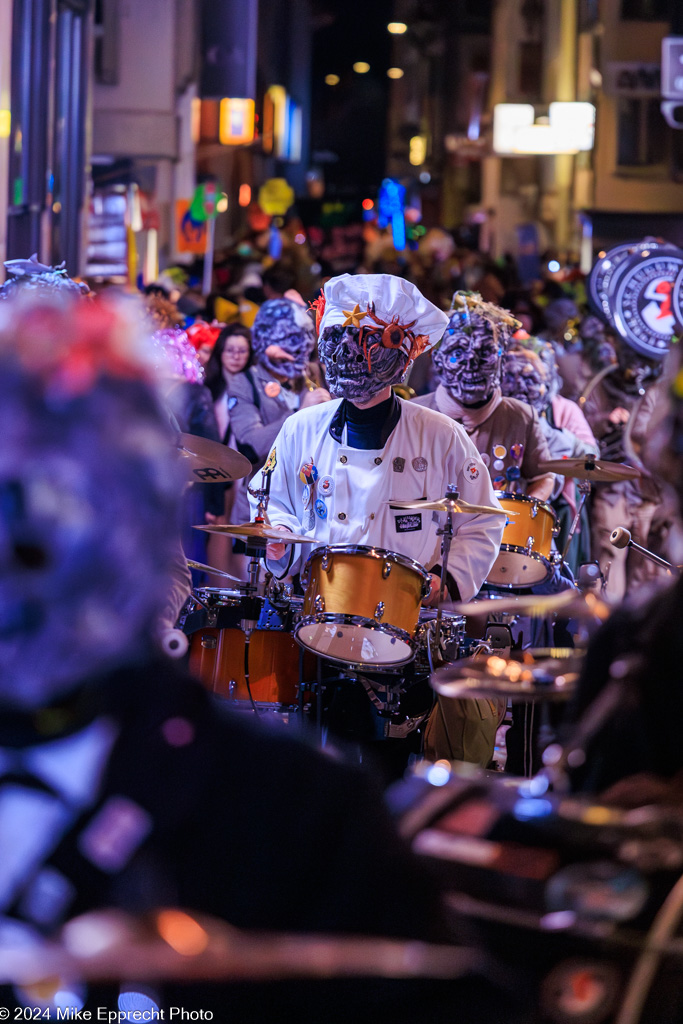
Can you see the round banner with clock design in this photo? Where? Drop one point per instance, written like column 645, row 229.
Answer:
column 607, row 269
column 641, row 300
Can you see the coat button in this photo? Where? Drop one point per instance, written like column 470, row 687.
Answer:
column 342, row 515
column 378, row 461
column 343, row 459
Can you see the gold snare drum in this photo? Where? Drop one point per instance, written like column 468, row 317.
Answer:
column 361, row 606
column 524, row 559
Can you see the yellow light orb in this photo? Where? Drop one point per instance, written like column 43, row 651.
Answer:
column 331, row 79
column 397, row 28
column 395, row 72
column 361, row 67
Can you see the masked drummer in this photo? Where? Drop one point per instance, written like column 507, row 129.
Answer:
column 505, row 432
column 335, row 468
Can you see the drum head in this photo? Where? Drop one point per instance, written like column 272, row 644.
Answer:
column 360, row 644
column 517, row 568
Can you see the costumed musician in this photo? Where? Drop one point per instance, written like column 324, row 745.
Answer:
column 334, row 469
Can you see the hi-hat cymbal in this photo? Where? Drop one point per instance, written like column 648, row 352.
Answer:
column 587, row 468
column 215, row 572
column 570, row 604
column 550, row 679
column 208, row 462
column 258, row 531
column 170, row 944
column 455, row 505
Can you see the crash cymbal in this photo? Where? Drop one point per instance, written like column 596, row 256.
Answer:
column 258, row 531
column 170, row 944
column 215, row 572
column 571, row 604
column 455, row 505
column 587, row 468
column 208, row 462
column 550, row 679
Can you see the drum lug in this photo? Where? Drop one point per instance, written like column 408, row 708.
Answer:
column 379, row 610
column 319, row 604
column 534, row 510
column 529, row 545
column 426, row 587
column 325, row 562
column 232, row 686
column 386, row 569
column 209, row 642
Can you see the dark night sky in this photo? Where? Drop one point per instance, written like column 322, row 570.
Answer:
column 349, row 119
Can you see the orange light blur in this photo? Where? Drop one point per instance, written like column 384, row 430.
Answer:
column 244, row 195
column 182, row 933
column 368, row 204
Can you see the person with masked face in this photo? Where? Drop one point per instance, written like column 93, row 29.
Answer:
column 369, row 446
column 275, row 387
column 505, row 431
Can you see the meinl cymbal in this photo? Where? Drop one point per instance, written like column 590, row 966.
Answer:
column 550, row 679
column 455, row 505
column 588, row 468
column 258, row 531
column 208, row 462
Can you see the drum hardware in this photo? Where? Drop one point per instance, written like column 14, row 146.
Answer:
column 379, row 610
column 621, row 538
column 209, row 462
column 319, row 604
column 589, row 467
column 549, row 679
column 451, row 503
column 568, row 603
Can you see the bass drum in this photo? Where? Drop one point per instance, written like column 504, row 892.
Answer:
column 525, row 553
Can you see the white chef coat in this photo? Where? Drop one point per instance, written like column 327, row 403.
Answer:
column 425, row 452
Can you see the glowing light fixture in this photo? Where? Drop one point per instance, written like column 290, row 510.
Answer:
column 397, row 28
column 222, row 204
column 236, row 122
column 367, row 204
column 361, row 67
column 244, row 195
column 418, row 150
column 331, row 79
column 569, row 128
column 395, row 73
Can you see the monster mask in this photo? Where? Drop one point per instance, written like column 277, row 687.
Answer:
column 526, row 377
column 283, row 337
column 468, row 359
column 350, row 372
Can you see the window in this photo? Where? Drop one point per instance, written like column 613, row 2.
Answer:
column 645, row 10
column 643, row 136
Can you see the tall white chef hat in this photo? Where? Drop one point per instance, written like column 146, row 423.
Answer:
column 382, row 305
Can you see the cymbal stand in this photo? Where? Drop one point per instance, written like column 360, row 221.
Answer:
column 446, row 533
column 256, row 550
column 584, row 490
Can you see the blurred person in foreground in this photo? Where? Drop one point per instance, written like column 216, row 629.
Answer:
column 636, row 756
column 115, row 768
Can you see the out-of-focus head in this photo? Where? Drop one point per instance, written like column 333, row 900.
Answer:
column 526, row 376
column 636, row 373
column 558, row 315
column 370, row 327
column 283, row 337
column 203, row 337
column 31, row 276
column 468, row 360
column 175, row 358
column 88, row 495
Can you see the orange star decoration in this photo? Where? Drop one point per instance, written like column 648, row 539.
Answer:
column 353, row 316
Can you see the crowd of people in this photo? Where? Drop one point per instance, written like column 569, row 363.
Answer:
column 388, row 431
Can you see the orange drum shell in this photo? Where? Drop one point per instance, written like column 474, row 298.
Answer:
column 522, row 526
column 354, row 585
column 217, row 659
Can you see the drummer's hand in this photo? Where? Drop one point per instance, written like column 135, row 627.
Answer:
column 432, row 598
column 619, row 415
column 314, row 397
column 274, row 549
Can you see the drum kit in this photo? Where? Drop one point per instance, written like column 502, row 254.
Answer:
column 361, row 615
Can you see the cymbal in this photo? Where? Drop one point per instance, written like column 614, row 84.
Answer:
column 208, row 462
column 109, row 945
column 570, row 603
column 258, row 531
column 550, row 679
column 455, row 505
column 215, row 572
column 587, row 468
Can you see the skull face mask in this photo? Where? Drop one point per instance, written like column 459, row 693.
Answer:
column 286, row 324
column 468, row 359
column 349, row 372
column 525, row 378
